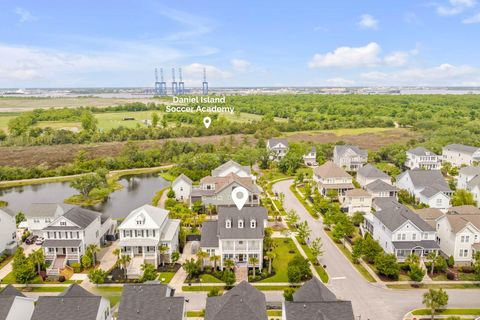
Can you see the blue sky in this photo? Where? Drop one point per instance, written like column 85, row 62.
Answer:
column 252, row 43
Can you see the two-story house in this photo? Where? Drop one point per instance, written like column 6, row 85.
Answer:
column 14, row 305
column 73, row 303
column 217, row 191
column 310, row 159
column 231, row 166
column 458, row 233
column 182, row 186
column 428, row 187
column 469, row 179
column 315, row 301
column 236, row 235
column 356, row 200
column 421, row 158
column 368, row 173
column 8, row 231
column 68, row 236
column 277, row 148
column 381, row 189
column 149, row 301
column 458, row 155
column 143, row 232
column 330, row 176
column 40, row 215
column 401, row 231
column 349, row 157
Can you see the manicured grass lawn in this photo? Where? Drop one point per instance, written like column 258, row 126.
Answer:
column 273, row 288
column 10, row 279
column 44, row 289
column 321, row 271
column 6, row 261
column 467, row 312
column 112, row 293
column 274, row 313
column 201, row 288
column 434, row 286
column 167, row 276
column 208, row 278
column 195, row 314
column 283, row 257
column 304, row 202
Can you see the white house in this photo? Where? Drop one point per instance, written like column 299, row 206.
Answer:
column 458, row 233
column 182, row 186
column 14, row 305
column 236, row 235
column 469, row 179
column 428, row 187
column 277, row 148
column 459, row 154
column 381, row 189
column 232, row 167
column 356, row 200
column 8, row 231
column 73, row 303
column 68, row 236
column 310, row 159
column 349, row 157
column 400, row 231
column 421, row 158
column 368, row 173
column 40, row 215
column 148, row 235
column 330, row 176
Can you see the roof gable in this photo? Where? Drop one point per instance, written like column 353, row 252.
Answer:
column 331, row 170
column 152, row 217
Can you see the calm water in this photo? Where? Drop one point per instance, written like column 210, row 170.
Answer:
column 137, row 191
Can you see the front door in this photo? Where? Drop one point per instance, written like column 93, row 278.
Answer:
column 241, row 258
column 140, row 250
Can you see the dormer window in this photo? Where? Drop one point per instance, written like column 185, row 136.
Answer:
column 253, row 224
column 63, row 223
column 240, row 223
column 228, row 223
column 140, row 220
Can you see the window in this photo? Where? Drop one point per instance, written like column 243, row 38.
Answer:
column 253, row 224
column 414, row 236
column 439, row 202
column 467, row 238
column 47, row 220
column 63, row 223
column 462, row 239
column 463, row 252
column 97, row 234
column 181, row 188
column 425, row 236
column 399, row 236
column 404, row 236
column 228, row 223
column 240, row 223
column 36, row 220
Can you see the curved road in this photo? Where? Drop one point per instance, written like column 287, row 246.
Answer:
column 370, row 300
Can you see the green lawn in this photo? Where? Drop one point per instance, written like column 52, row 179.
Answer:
column 321, row 271
column 208, row 278
column 434, row 286
column 274, row 313
column 283, row 257
column 304, row 202
column 167, row 276
column 45, row 289
column 201, row 288
column 112, row 293
column 463, row 312
column 196, row 314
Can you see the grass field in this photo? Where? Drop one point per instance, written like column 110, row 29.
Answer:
column 283, row 248
column 467, row 312
column 111, row 293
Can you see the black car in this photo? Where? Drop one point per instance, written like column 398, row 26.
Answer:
column 31, row 239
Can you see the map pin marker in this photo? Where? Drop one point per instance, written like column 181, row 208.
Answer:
column 207, row 121
column 240, row 197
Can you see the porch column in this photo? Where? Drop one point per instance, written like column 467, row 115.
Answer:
column 156, row 257
column 143, row 252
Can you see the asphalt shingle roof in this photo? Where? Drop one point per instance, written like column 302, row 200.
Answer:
column 247, row 213
column 42, row 209
column 330, row 170
column 6, row 303
column 81, row 217
column 11, row 291
column 421, row 151
column 209, row 238
column 180, row 178
column 469, row 170
column 341, row 149
column 461, row 148
column 228, row 164
column 274, row 141
column 331, row 310
column 314, row 290
column 395, row 216
column 380, row 185
column 369, row 171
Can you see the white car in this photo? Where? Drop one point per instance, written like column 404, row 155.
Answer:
column 39, row 241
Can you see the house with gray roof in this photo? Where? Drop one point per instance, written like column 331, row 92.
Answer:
column 381, row 189
column 458, row 155
column 330, row 177
column 232, row 167
column 310, row 158
column 428, row 187
column 243, row 302
column 421, row 158
column 68, row 236
column 182, row 186
column 8, row 231
column 236, row 235
column 369, row 173
column 349, row 157
column 469, row 179
column 401, row 231
column 75, row 303
column 147, row 301
column 315, row 301
column 14, row 305
column 277, row 148
column 40, row 215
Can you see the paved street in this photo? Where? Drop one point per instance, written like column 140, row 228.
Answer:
column 370, row 301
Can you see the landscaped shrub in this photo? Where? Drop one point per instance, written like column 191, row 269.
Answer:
column 61, row 279
column 387, row 265
column 77, row 267
column 450, row 262
column 450, row 275
column 467, row 269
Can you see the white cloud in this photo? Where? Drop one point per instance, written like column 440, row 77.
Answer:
column 442, row 75
column 240, row 64
column 472, row 19
column 341, row 82
column 24, row 15
column 368, row 22
column 348, row 57
column 194, row 72
column 194, row 25
column 320, row 29
column 455, row 7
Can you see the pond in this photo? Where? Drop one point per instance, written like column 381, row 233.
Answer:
column 137, row 190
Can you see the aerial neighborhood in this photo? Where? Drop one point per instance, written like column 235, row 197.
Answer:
column 237, row 231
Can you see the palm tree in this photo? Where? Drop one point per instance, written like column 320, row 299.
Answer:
column 214, row 259
column 432, row 256
column 270, row 255
column 124, row 261
column 210, row 209
column 253, row 261
column 229, row 264
column 201, row 255
column 163, row 249
column 92, row 250
column 412, row 259
column 37, row 258
column 117, row 252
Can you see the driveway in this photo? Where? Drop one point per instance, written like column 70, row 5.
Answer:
column 370, row 301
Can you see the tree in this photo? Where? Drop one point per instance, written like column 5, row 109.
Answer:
column 149, row 272
column 463, row 197
column 37, row 259
column 416, row 273
column 292, row 217
column 357, row 218
column 435, row 300
column 19, row 218
column 97, row 276
column 370, row 249
column 124, row 261
column 303, row 231
column 298, row 269
column 357, row 250
column 86, row 183
column 229, row 264
column 316, row 249
column 253, row 262
column 155, row 119
column 432, row 256
column 288, row 294
column 270, row 255
column 450, row 262
column 175, row 257
column 86, row 261
column 476, row 265
column 228, row 277
column 387, row 265
column 202, row 255
column 117, row 252
column 163, row 249
column 23, row 269
column 92, row 250
column 170, row 194
column 214, row 292
column 89, row 122
column 412, row 260
column 191, row 267
column 215, row 259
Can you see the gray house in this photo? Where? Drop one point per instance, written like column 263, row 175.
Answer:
column 368, row 173
column 14, row 305
column 243, row 302
column 315, row 301
column 277, row 148
column 236, row 235
column 349, row 157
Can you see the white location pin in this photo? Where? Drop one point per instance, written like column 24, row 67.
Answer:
column 207, row 121
column 240, row 197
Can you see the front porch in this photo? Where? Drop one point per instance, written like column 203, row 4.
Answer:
column 421, row 248
column 59, row 253
column 241, row 259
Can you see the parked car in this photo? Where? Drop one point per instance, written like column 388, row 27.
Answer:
column 31, row 239
column 39, row 241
